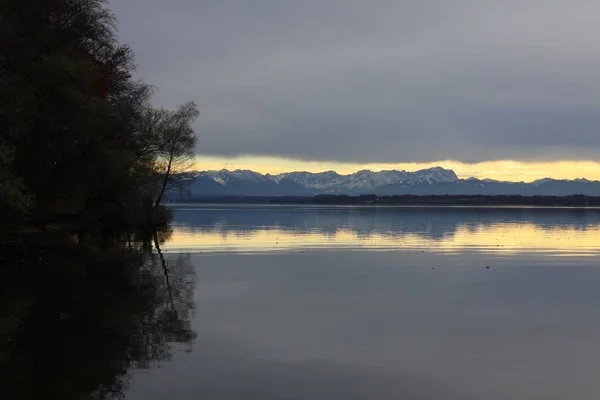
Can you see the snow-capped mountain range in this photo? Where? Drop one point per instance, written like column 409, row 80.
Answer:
column 435, row 180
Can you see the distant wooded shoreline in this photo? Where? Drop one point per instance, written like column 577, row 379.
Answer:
column 409, row 200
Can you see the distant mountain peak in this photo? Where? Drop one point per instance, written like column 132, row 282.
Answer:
column 539, row 182
column 582, row 180
column 363, row 181
column 433, row 180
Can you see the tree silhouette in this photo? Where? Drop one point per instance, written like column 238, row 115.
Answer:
column 77, row 318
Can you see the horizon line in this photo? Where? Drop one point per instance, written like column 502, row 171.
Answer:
column 500, row 170
column 392, row 170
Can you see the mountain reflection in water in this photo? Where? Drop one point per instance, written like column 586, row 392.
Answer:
column 209, row 228
column 78, row 315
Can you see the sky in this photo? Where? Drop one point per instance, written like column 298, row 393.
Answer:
column 500, row 89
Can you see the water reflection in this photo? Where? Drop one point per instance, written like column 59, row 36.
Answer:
column 78, row 316
column 508, row 231
column 324, row 325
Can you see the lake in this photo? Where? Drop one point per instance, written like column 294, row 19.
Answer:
column 310, row 302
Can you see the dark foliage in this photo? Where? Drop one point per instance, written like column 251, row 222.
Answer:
column 76, row 137
column 433, row 200
column 541, row 201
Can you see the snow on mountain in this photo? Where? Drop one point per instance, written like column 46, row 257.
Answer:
column 219, row 180
column 331, row 181
column 429, row 181
column 320, row 180
column 369, row 180
column 224, row 177
column 539, row 182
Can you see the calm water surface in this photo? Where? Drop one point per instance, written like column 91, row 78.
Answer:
column 386, row 303
column 306, row 302
column 498, row 231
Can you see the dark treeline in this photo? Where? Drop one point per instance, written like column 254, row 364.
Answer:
column 548, row 201
column 79, row 139
column 83, row 149
column 441, row 200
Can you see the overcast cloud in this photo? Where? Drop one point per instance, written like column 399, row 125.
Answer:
column 378, row 80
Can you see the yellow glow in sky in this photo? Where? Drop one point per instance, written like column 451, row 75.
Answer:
column 500, row 170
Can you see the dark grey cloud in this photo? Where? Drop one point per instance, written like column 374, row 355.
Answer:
column 380, row 80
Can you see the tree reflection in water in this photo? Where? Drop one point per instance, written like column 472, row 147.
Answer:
column 79, row 315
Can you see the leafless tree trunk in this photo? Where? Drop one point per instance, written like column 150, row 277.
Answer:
column 165, row 181
column 176, row 142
